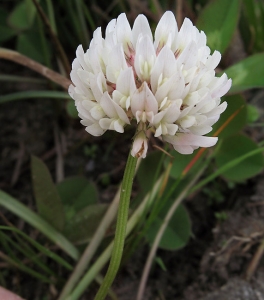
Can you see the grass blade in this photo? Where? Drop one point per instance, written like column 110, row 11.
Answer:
column 37, row 222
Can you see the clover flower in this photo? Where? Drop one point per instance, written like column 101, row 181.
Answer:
column 167, row 83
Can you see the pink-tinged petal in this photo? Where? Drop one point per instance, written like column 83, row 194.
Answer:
column 140, row 145
column 188, row 139
column 141, row 28
column 166, row 27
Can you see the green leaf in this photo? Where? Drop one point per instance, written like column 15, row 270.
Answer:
column 82, row 225
column 252, row 113
column 34, row 94
column 26, row 214
column 247, row 74
column 219, row 20
column 179, row 163
column 76, row 193
column 23, row 15
column 5, row 32
column 251, row 25
column 47, row 197
column 28, row 43
column 236, row 146
column 235, row 115
column 176, row 234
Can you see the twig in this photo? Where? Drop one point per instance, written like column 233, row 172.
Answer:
column 55, row 40
column 179, row 14
column 255, row 261
column 32, row 64
column 59, row 152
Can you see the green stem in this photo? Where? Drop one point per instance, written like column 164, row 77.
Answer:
column 104, row 257
column 121, row 225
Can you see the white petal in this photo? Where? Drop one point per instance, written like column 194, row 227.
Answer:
column 186, row 34
column 95, row 129
column 166, row 26
column 189, row 55
column 110, row 27
column 144, row 101
column 218, row 110
column 187, row 121
column 97, row 112
column 173, row 88
column 140, row 145
column 201, row 130
column 222, row 89
column 80, row 56
column 165, row 65
column 116, row 63
column 123, row 31
column 112, row 109
column 105, row 123
column 126, row 82
column 141, row 27
column 183, row 149
column 213, row 60
column 172, row 129
column 144, row 58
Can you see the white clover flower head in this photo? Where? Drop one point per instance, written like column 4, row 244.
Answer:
column 167, row 84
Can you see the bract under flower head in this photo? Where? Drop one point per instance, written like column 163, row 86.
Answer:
column 168, row 84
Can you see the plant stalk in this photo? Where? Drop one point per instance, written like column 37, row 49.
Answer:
column 121, row 225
